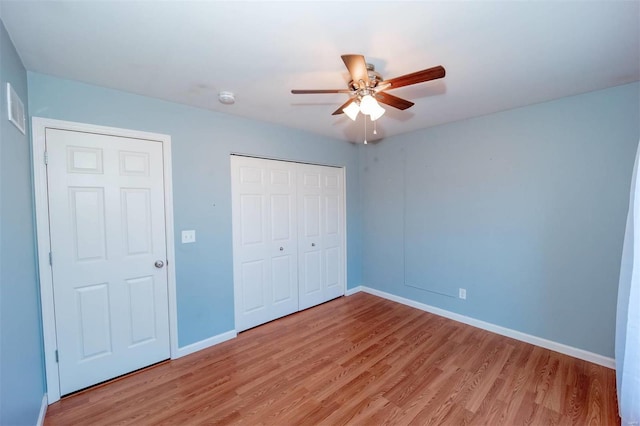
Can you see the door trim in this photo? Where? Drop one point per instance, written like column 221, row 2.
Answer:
column 39, row 126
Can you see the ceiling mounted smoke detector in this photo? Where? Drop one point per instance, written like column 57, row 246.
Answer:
column 226, row 98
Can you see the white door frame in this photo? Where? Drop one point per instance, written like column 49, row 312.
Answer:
column 39, row 126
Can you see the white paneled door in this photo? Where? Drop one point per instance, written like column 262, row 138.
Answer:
column 320, row 234
column 288, row 237
column 106, row 207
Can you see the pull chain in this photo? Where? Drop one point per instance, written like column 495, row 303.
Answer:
column 375, row 129
column 365, row 129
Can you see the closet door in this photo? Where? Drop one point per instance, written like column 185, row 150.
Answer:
column 264, row 240
column 320, row 234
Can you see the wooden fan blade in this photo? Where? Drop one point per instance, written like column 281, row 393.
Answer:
column 343, row 106
column 393, row 101
column 309, row 92
column 357, row 68
column 416, row 77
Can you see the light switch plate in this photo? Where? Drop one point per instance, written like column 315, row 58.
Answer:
column 188, row 236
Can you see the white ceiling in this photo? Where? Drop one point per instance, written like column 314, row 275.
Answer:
column 498, row 55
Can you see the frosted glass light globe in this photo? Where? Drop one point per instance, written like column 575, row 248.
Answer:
column 368, row 105
column 352, row 110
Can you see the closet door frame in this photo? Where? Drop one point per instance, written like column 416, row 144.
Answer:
column 343, row 218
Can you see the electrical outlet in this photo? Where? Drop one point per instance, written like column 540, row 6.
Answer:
column 462, row 293
column 188, row 237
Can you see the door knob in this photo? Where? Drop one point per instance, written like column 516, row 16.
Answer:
column 159, row 264
column 313, row 244
column 281, row 248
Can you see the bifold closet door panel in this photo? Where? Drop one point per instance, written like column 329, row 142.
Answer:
column 320, row 234
column 264, row 240
column 310, row 248
column 334, row 233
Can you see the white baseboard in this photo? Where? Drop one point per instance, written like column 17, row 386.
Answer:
column 43, row 410
column 514, row 334
column 354, row 290
column 203, row 344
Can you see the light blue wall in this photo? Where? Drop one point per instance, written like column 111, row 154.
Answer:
column 201, row 142
column 525, row 209
column 21, row 368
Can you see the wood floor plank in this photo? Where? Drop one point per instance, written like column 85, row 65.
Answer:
column 355, row 360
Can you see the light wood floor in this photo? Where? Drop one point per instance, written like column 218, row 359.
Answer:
column 356, row 360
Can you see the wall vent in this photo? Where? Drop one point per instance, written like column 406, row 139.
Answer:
column 15, row 107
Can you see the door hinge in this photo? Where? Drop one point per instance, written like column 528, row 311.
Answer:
column 56, row 355
column 46, row 157
column 50, row 259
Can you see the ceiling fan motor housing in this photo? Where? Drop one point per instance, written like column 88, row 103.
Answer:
column 374, row 78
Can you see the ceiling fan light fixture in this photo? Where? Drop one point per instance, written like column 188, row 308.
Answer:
column 352, row 110
column 377, row 112
column 368, row 104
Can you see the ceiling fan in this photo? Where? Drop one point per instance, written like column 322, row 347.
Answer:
column 367, row 88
